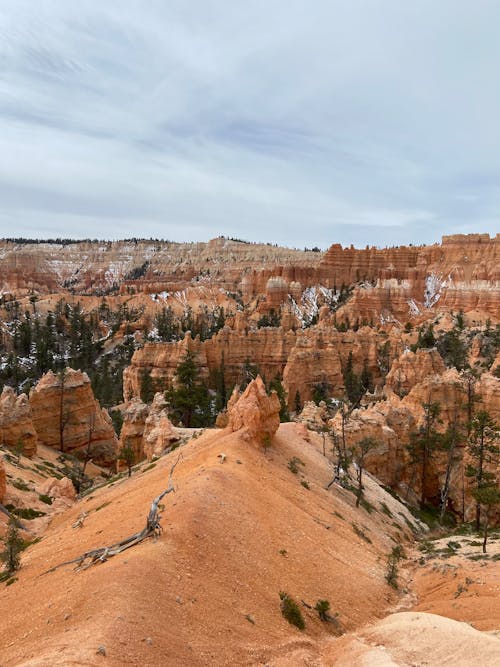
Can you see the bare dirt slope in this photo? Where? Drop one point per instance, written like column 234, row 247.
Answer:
column 207, row 592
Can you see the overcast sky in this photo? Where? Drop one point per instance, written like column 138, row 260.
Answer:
column 300, row 122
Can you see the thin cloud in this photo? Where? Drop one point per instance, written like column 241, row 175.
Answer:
column 353, row 122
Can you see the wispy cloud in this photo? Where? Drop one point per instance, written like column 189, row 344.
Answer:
column 298, row 123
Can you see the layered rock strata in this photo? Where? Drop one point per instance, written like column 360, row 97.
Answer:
column 66, row 416
column 254, row 414
column 16, row 423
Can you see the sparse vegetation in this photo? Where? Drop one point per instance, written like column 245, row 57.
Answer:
column 293, row 464
column 13, row 545
column 291, row 611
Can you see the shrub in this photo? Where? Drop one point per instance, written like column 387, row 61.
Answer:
column 45, row 499
column 393, row 559
column 293, row 464
column 290, row 610
column 14, row 544
column 322, row 607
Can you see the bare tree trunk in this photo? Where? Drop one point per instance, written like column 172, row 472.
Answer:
column 485, row 530
column 152, row 527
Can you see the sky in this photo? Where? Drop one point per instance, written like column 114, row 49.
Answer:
column 297, row 122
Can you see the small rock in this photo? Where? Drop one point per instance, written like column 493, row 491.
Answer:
column 101, row 650
column 66, row 616
column 148, row 641
column 178, row 599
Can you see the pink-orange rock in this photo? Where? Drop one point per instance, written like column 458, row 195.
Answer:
column 68, row 401
column 411, row 368
column 59, row 488
column 3, row 481
column 159, row 432
column 254, row 413
column 313, row 416
column 132, row 432
column 16, row 423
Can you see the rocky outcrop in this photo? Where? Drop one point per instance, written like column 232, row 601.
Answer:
column 67, row 416
column 253, row 413
column 142, row 265
column 147, row 430
column 59, row 488
column 320, row 354
column 16, row 423
column 391, row 422
column 132, row 432
column 3, row 481
column 313, row 416
column 304, row 358
column 159, row 433
column 411, row 368
column 229, row 350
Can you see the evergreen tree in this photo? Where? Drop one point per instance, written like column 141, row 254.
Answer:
column 147, row 387
column 423, row 444
column 189, row 399
column 276, row 385
column 359, row 453
column 484, row 450
column 13, row 545
column 487, row 497
column 128, row 457
column 352, row 382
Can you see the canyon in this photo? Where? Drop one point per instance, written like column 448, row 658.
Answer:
column 258, row 369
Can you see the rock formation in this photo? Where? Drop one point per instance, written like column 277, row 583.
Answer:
column 253, row 413
column 159, row 433
column 134, row 422
column 147, row 429
column 59, row 488
column 16, row 423
column 3, row 481
column 67, row 416
column 411, row 368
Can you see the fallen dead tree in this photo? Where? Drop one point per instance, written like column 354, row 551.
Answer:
column 102, row 554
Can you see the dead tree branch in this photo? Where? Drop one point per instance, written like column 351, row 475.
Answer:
column 152, row 528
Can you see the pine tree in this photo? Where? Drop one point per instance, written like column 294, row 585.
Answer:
column 484, row 450
column 423, row 444
column 277, row 386
column 147, row 388
column 13, row 545
column 189, row 399
column 128, row 457
column 360, row 451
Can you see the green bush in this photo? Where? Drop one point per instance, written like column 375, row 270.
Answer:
column 290, row 610
column 322, row 607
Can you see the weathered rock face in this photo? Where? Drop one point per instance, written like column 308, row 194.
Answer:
column 134, row 422
column 3, row 481
column 66, row 403
column 320, row 354
column 230, row 349
column 304, row 358
column 313, row 416
column 159, row 432
column 147, row 429
column 16, row 423
column 392, row 421
column 411, row 368
column 59, row 488
column 254, row 413
column 147, row 266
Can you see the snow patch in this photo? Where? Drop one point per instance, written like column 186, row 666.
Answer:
column 433, row 286
column 413, row 308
